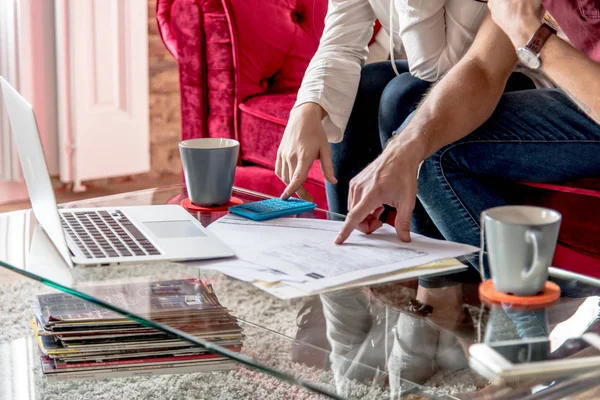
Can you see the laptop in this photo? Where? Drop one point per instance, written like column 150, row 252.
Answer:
column 103, row 236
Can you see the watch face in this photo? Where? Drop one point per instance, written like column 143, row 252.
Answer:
column 528, row 58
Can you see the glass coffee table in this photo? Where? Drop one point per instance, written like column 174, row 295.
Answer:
column 394, row 340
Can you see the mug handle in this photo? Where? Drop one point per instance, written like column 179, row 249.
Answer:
column 482, row 241
column 534, row 237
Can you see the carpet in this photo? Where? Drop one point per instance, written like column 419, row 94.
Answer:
column 248, row 303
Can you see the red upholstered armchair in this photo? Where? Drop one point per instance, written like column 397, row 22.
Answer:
column 241, row 63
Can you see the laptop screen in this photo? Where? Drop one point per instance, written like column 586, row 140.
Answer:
column 33, row 163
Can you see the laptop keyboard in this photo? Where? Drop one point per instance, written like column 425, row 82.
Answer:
column 103, row 234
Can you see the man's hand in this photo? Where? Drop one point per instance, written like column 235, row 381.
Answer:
column 303, row 142
column 475, row 84
column 519, row 19
column 390, row 180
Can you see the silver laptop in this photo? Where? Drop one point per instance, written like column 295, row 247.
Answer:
column 103, row 236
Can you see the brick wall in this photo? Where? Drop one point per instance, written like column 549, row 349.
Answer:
column 165, row 116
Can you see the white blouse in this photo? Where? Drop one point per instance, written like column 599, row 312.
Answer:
column 435, row 35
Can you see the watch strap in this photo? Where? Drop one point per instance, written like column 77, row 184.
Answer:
column 539, row 38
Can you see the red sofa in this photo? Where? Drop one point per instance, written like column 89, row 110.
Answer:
column 241, row 63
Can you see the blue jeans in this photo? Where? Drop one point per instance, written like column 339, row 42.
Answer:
column 533, row 135
column 382, row 103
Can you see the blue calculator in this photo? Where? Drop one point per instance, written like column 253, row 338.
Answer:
column 272, row 208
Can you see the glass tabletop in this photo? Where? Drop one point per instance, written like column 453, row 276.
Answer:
column 405, row 339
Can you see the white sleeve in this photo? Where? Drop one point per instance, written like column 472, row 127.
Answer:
column 437, row 33
column 333, row 74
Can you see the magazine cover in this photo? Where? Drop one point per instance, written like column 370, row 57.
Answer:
column 145, row 298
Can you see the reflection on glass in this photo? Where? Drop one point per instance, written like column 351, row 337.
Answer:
column 584, row 319
column 383, row 343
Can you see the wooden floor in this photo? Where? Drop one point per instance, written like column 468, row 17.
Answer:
column 14, row 197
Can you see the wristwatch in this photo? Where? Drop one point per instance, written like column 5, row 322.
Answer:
column 529, row 54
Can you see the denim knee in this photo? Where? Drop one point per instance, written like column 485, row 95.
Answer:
column 427, row 185
column 399, row 99
column 374, row 77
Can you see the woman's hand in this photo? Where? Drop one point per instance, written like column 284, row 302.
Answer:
column 390, row 180
column 303, row 142
column 519, row 19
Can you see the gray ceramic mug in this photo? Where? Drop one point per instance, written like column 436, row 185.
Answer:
column 521, row 242
column 209, row 168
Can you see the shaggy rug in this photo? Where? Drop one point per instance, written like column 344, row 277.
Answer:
column 249, row 304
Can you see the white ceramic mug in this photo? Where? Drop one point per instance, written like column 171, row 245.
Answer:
column 521, row 241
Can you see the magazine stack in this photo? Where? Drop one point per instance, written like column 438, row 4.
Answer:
column 79, row 339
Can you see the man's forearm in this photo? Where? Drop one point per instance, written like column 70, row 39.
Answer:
column 466, row 97
column 463, row 100
column 576, row 74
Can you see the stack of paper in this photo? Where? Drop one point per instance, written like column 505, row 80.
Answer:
column 81, row 340
column 293, row 257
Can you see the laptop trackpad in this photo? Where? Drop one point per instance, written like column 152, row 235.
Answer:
column 174, row 229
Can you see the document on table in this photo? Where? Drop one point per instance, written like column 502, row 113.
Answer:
column 286, row 292
column 301, row 252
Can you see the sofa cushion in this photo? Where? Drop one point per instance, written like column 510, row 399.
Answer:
column 579, row 229
column 274, row 42
column 262, row 122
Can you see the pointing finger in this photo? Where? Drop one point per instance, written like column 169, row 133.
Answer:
column 300, row 174
column 327, row 165
column 354, row 218
column 402, row 221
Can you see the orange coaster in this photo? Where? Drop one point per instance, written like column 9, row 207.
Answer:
column 550, row 295
column 188, row 205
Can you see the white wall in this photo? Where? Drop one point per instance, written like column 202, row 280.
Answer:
column 8, row 69
column 103, row 88
column 83, row 64
column 27, row 60
column 37, row 59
